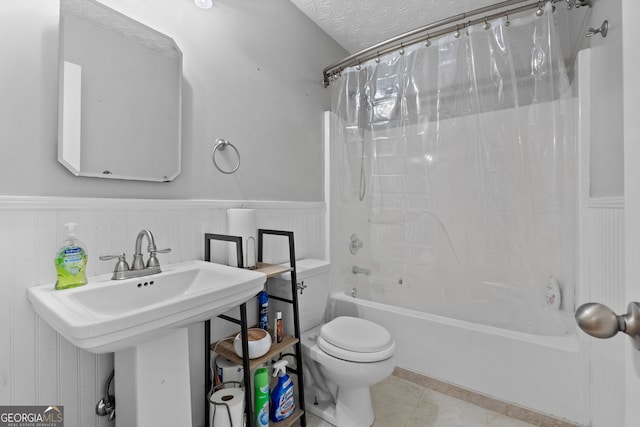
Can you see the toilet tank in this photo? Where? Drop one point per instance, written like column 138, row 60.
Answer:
column 313, row 274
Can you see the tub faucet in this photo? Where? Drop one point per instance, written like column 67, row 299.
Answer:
column 358, row 270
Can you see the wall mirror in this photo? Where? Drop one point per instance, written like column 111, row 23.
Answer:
column 120, row 96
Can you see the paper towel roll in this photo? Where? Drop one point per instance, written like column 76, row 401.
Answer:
column 233, row 398
column 242, row 222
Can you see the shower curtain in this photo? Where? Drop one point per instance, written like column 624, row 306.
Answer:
column 454, row 162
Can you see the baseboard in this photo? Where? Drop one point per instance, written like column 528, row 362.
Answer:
column 486, row 402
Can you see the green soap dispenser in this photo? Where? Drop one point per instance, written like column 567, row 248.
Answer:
column 71, row 261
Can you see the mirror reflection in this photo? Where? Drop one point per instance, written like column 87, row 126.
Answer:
column 120, row 96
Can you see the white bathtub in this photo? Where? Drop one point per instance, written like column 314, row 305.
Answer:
column 545, row 373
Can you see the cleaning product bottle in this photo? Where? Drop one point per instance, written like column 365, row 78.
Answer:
column 277, row 329
column 261, row 380
column 282, row 403
column 71, row 260
column 263, row 310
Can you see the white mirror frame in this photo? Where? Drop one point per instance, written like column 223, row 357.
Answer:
column 117, row 119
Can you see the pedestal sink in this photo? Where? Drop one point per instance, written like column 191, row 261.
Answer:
column 144, row 321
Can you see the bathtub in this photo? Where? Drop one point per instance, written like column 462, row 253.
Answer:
column 547, row 374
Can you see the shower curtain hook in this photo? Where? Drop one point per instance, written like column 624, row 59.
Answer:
column 539, row 12
column 507, row 23
column 358, row 66
column 428, row 42
column 377, row 57
column 457, row 33
column 486, row 23
column 401, row 51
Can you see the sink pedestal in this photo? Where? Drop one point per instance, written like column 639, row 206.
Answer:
column 152, row 382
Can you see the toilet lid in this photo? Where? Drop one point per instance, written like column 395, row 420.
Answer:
column 357, row 335
column 355, row 356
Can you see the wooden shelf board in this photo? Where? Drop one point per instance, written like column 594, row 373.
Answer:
column 225, row 349
column 297, row 414
column 272, row 269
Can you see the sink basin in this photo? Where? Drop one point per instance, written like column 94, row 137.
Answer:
column 111, row 315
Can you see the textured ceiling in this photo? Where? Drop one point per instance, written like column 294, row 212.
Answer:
column 104, row 17
column 358, row 24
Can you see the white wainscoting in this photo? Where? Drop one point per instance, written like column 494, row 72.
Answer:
column 37, row 366
column 603, row 277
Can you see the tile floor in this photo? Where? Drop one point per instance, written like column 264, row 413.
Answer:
column 400, row 403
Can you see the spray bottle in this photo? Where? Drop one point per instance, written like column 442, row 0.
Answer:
column 282, row 400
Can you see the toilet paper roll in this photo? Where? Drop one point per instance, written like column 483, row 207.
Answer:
column 228, row 371
column 242, row 222
column 233, row 398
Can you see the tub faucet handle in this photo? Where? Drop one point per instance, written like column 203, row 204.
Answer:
column 355, row 244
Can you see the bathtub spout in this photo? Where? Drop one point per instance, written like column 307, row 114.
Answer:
column 358, row 270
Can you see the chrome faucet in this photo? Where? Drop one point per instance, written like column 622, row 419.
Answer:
column 138, row 263
column 138, row 266
column 358, row 270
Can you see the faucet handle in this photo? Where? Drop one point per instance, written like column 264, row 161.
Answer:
column 121, row 265
column 153, row 260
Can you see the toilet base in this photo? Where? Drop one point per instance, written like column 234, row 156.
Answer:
column 353, row 407
column 322, row 409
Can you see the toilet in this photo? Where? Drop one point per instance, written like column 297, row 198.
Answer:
column 343, row 357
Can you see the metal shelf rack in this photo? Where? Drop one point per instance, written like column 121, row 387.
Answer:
column 226, row 349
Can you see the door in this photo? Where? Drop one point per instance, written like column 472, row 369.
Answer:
column 631, row 98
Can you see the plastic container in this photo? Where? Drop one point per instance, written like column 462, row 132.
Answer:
column 261, row 379
column 277, row 329
column 71, row 261
column 282, row 399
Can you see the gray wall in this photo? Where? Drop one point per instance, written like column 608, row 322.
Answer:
column 252, row 75
column 607, row 151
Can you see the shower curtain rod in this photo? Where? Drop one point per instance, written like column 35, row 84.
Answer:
column 418, row 35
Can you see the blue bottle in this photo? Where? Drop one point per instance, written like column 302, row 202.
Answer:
column 263, row 310
column 282, row 399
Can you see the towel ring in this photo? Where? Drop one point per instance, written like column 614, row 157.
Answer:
column 221, row 144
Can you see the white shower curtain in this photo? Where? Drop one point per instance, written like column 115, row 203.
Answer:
column 455, row 163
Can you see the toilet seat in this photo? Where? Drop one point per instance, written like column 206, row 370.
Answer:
column 355, row 356
column 356, row 334
column 356, row 340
